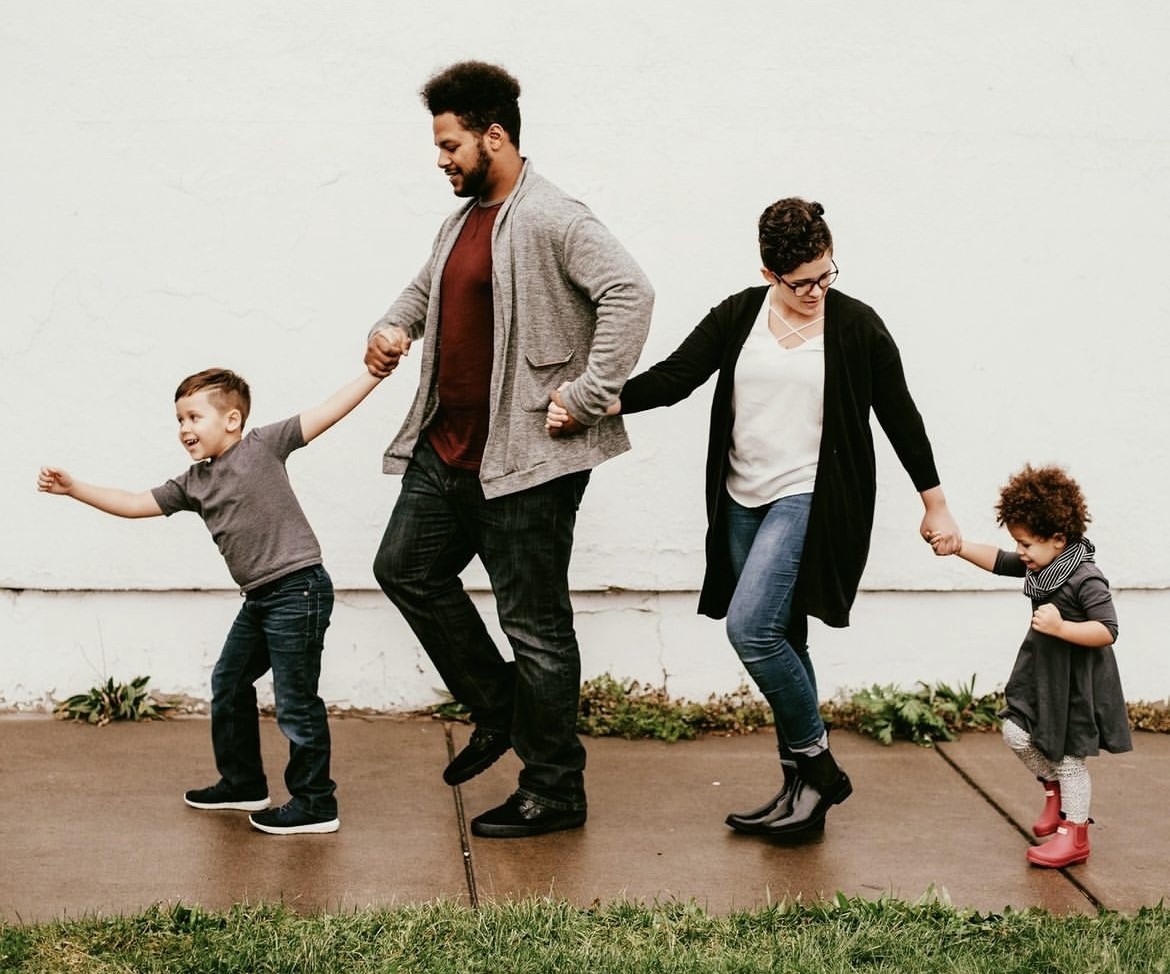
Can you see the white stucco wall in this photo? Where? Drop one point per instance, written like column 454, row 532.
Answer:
column 251, row 185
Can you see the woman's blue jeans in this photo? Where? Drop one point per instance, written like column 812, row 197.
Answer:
column 281, row 626
column 524, row 540
column 771, row 639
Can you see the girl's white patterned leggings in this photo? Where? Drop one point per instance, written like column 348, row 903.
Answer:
column 1076, row 789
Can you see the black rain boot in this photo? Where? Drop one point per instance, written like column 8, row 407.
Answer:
column 778, row 807
column 820, row 784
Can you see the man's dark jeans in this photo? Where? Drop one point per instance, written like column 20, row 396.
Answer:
column 524, row 540
column 281, row 626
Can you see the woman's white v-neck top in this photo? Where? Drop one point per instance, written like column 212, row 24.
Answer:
column 778, row 408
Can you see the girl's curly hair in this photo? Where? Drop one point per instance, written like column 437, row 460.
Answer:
column 792, row 232
column 1046, row 501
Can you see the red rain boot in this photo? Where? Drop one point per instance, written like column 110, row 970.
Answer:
column 1049, row 819
column 1070, row 846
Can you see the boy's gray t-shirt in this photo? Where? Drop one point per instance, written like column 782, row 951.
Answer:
column 248, row 505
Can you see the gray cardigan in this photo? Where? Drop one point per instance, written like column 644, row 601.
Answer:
column 570, row 305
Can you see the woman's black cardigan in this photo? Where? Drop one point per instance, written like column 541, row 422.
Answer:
column 863, row 371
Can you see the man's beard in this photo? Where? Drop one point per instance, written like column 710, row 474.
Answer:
column 475, row 179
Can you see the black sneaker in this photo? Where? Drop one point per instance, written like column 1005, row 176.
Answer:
column 290, row 820
column 520, row 817
column 486, row 747
column 223, row 795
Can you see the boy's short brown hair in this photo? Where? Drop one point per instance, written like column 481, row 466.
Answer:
column 225, row 389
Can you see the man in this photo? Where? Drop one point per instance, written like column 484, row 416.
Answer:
column 525, row 295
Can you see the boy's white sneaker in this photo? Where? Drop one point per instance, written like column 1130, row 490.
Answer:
column 288, row 819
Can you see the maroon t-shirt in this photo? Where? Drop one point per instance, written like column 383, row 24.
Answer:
column 466, row 327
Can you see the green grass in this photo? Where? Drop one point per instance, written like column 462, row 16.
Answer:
column 532, row 936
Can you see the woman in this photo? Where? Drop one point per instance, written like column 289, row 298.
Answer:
column 791, row 480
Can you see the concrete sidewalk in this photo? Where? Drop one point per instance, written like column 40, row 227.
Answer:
column 94, row 823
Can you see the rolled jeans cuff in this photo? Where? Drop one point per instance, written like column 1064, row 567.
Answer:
column 558, row 804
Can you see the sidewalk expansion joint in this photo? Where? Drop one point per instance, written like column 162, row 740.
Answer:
column 461, row 819
column 1073, row 881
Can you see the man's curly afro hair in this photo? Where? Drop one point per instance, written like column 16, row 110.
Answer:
column 477, row 93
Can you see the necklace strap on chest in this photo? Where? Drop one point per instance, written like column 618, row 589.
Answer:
column 787, row 324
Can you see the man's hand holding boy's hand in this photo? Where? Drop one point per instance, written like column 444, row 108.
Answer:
column 384, row 350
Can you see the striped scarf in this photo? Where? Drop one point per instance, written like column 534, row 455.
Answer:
column 1041, row 584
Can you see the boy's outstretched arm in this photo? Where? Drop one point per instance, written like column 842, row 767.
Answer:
column 317, row 420
column 112, row 500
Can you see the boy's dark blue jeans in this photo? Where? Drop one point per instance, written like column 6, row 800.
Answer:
column 524, row 540
column 281, row 626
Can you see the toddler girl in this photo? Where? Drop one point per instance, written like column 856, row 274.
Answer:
column 1064, row 697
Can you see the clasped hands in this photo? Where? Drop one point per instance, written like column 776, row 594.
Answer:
column 944, row 542
column 385, row 350
column 558, row 421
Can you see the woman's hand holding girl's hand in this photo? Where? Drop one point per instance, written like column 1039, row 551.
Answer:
column 940, row 543
column 942, row 533
column 938, row 528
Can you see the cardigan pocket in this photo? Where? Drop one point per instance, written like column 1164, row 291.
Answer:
column 543, row 373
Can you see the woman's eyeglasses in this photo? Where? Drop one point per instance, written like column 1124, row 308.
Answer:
column 801, row 288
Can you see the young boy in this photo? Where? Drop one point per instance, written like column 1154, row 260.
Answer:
column 239, row 486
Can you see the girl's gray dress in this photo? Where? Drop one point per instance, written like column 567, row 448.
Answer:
column 1068, row 697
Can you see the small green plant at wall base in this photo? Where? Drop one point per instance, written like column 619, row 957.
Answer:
column 626, row 708
column 887, row 713
column 451, row 710
column 111, row 701
column 929, row 714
